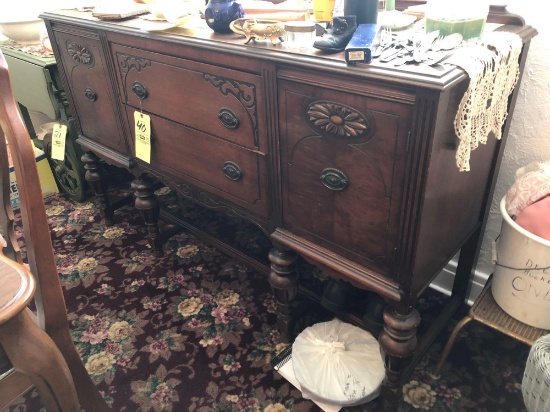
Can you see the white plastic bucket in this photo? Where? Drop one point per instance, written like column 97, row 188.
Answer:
column 521, row 280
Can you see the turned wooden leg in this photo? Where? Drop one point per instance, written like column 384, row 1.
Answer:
column 97, row 178
column 284, row 284
column 32, row 352
column 397, row 342
column 148, row 207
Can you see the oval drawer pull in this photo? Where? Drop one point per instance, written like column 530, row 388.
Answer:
column 90, row 94
column 334, row 179
column 232, row 171
column 139, row 90
column 228, row 118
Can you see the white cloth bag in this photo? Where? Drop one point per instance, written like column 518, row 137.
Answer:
column 338, row 363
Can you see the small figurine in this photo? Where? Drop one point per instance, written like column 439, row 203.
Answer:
column 254, row 29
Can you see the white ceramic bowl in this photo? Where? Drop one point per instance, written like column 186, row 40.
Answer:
column 23, row 32
column 170, row 10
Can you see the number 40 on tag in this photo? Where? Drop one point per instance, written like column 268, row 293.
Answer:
column 142, row 125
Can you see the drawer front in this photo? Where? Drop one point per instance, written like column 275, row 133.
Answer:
column 222, row 102
column 224, row 169
column 343, row 160
column 85, row 70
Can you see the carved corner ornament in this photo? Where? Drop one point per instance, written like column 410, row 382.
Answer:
column 80, row 54
column 244, row 92
column 329, row 118
column 128, row 62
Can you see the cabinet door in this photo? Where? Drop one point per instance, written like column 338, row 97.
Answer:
column 343, row 161
column 88, row 82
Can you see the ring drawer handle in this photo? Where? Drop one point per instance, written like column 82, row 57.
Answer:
column 232, row 171
column 228, row 118
column 90, row 94
column 139, row 90
column 334, row 179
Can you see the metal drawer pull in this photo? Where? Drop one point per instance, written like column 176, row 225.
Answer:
column 334, row 179
column 139, row 90
column 232, row 171
column 90, row 94
column 228, row 118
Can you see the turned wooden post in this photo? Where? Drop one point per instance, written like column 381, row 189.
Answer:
column 97, row 178
column 398, row 342
column 147, row 204
column 284, row 284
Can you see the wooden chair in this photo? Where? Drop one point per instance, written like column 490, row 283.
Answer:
column 40, row 348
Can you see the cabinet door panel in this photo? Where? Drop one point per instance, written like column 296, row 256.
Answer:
column 343, row 159
column 86, row 72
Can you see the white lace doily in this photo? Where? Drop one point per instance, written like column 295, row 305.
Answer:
column 493, row 67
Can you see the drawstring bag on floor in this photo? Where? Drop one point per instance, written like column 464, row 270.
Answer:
column 338, row 363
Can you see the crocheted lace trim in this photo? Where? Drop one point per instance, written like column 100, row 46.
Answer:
column 493, row 67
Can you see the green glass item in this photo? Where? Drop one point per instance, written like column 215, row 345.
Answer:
column 470, row 29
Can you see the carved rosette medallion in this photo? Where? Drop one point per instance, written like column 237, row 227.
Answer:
column 335, row 119
column 245, row 94
column 80, row 54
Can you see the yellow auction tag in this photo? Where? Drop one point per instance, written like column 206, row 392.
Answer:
column 142, row 123
column 58, row 141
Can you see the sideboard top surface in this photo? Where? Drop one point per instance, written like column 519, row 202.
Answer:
column 198, row 34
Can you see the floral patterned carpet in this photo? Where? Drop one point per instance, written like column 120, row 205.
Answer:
column 194, row 330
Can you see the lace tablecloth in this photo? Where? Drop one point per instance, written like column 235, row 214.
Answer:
column 493, row 67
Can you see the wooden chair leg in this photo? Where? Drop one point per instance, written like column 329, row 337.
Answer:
column 32, row 352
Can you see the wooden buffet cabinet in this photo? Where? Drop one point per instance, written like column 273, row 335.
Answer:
column 353, row 168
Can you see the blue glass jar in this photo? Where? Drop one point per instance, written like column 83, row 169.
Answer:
column 220, row 13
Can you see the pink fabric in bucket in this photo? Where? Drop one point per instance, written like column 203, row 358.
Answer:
column 535, row 218
column 532, row 184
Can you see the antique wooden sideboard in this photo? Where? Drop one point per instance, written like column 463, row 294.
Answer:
column 351, row 167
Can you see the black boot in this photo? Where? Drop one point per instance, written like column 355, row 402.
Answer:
column 343, row 28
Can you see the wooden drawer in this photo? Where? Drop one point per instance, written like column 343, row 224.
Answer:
column 224, row 169
column 85, row 71
column 222, row 102
column 343, row 162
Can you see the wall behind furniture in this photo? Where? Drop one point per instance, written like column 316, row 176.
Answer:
column 529, row 138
